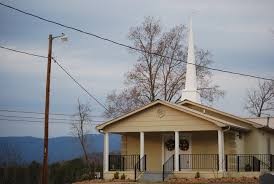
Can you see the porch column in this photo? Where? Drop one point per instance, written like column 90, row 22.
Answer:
column 176, row 156
column 221, row 150
column 106, row 151
column 142, row 148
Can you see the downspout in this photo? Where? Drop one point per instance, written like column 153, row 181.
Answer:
column 228, row 128
column 224, row 156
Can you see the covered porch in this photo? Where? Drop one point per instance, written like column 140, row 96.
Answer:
column 188, row 150
column 168, row 138
column 196, row 151
column 165, row 152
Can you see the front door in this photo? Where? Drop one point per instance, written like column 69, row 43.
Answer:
column 185, row 151
column 168, row 144
column 185, row 148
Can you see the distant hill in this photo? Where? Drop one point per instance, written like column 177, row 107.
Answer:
column 27, row 149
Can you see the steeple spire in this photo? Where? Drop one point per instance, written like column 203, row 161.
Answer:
column 190, row 92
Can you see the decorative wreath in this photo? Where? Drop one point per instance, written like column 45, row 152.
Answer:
column 184, row 144
column 170, row 144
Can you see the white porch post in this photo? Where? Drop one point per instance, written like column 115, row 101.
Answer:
column 106, row 152
column 176, row 156
column 142, row 148
column 142, row 144
column 221, row 150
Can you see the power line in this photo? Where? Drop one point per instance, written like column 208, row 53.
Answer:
column 128, row 46
column 68, row 27
column 29, row 121
column 41, row 113
column 32, row 117
column 35, row 121
column 80, row 85
column 22, row 52
column 41, row 118
column 13, row 142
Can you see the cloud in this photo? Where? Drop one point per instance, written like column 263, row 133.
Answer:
column 235, row 92
column 236, row 32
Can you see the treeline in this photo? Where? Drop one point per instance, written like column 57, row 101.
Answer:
column 59, row 173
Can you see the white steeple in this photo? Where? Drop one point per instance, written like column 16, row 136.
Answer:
column 190, row 92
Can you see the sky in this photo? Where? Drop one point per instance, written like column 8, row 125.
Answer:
column 239, row 34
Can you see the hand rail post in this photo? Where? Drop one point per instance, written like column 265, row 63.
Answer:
column 163, row 172
column 226, row 162
column 173, row 162
column 179, row 162
column 217, row 162
column 270, row 161
column 109, row 162
column 135, row 173
column 123, row 163
column 119, row 161
column 145, row 162
column 139, row 164
column 238, row 163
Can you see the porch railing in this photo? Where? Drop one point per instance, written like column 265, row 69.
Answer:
column 123, row 162
column 168, row 167
column 199, row 161
column 249, row 162
column 233, row 162
column 140, row 167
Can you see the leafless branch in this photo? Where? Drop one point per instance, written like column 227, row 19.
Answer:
column 260, row 100
column 155, row 77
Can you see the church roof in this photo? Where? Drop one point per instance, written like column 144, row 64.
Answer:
column 217, row 121
column 186, row 102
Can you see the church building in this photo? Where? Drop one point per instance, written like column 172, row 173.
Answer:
column 164, row 139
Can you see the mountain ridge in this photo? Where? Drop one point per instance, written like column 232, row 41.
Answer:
column 25, row 149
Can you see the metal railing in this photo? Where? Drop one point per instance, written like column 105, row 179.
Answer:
column 233, row 162
column 140, row 167
column 168, row 167
column 123, row 162
column 249, row 162
column 199, row 161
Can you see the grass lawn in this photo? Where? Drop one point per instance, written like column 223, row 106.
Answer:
column 241, row 180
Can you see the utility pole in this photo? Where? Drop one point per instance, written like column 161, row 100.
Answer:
column 46, row 129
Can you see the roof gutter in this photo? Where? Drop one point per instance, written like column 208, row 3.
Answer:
column 228, row 128
column 266, row 127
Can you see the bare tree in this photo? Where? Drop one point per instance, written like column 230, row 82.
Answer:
column 126, row 100
column 156, row 77
column 260, row 100
column 81, row 126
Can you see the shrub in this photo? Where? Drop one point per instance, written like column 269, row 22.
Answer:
column 116, row 175
column 123, row 176
column 197, row 175
column 84, row 177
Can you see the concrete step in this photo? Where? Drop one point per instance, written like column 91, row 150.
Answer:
column 149, row 176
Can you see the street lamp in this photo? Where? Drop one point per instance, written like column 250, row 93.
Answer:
column 45, row 150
